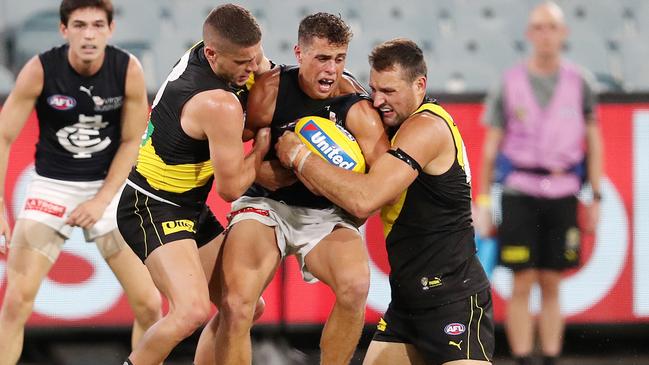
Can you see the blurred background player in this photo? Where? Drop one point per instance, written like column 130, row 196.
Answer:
column 194, row 138
column 539, row 120
column 91, row 104
column 267, row 225
column 441, row 309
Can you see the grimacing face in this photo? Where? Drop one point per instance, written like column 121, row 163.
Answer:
column 394, row 96
column 321, row 67
column 87, row 33
column 235, row 64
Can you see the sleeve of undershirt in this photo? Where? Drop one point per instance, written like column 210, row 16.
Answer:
column 493, row 114
column 590, row 96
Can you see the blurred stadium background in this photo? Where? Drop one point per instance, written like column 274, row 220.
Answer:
column 81, row 315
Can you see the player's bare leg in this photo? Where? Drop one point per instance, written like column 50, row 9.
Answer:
column 340, row 260
column 142, row 295
column 250, row 259
column 176, row 269
column 26, row 268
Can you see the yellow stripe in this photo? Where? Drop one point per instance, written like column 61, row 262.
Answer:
column 146, row 204
column 457, row 138
column 479, row 319
column 137, row 210
column 173, row 178
column 468, row 339
column 390, row 213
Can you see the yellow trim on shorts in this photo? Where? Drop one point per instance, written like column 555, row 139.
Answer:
column 137, row 210
column 146, row 204
column 479, row 319
column 468, row 338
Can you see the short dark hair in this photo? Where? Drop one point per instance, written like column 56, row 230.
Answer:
column 233, row 23
column 324, row 25
column 69, row 6
column 402, row 52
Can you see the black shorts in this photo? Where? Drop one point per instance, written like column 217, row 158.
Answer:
column 147, row 223
column 460, row 330
column 539, row 233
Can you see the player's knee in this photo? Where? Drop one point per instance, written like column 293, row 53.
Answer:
column 147, row 309
column 191, row 316
column 17, row 303
column 352, row 291
column 238, row 311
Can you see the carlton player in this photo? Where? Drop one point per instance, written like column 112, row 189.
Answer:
column 267, row 225
column 91, row 105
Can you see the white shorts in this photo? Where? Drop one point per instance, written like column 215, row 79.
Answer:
column 297, row 229
column 50, row 201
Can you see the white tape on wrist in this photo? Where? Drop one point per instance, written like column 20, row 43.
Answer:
column 294, row 153
column 300, row 166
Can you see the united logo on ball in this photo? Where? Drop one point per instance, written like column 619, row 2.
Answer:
column 331, row 142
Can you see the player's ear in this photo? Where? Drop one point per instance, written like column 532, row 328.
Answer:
column 420, row 83
column 298, row 53
column 63, row 29
column 209, row 52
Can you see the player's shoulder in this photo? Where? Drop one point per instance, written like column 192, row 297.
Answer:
column 215, row 101
column 424, row 122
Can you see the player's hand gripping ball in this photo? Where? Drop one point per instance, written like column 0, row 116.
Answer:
column 331, row 142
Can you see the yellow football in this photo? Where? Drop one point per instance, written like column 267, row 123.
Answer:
column 331, row 142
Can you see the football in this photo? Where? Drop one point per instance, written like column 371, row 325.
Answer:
column 331, row 142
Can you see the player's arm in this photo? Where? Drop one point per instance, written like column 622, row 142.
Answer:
column 594, row 160
column 233, row 171
column 261, row 103
column 259, row 114
column 133, row 123
column 389, row 176
column 364, row 123
column 13, row 116
column 491, row 144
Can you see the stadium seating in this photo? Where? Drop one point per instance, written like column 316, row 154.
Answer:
column 489, row 32
column 6, row 80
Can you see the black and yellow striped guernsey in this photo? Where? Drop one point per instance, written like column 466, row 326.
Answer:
column 172, row 165
column 429, row 234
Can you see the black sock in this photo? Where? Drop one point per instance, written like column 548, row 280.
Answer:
column 524, row 360
column 549, row 360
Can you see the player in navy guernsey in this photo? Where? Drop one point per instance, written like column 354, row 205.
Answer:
column 269, row 223
column 441, row 305
column 194, row 139
column 91, row 105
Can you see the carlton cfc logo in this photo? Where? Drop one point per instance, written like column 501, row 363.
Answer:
column 61, row 102
column 454, row 329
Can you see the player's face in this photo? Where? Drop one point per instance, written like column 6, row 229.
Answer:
column 235, row 64
column 87, row 32
column 394, row 96
column 546, row 32
column 321, row 67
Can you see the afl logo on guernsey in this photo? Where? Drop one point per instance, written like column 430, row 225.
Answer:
column 61, row 102
column 326, row 146
column 454, row 329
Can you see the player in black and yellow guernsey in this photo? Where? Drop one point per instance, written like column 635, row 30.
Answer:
column 441, row 311
column 194, row 138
